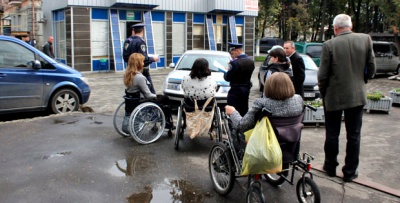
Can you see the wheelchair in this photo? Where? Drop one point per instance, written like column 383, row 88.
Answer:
column 225, row 164
column 188, row 105
column 139, row 118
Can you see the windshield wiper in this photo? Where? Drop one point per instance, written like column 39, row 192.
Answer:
column 184, row 69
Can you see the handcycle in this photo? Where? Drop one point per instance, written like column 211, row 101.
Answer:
column 187, row 105
column 225, row 164
column 139, row 118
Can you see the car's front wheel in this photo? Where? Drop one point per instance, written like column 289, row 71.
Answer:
column 63, row 101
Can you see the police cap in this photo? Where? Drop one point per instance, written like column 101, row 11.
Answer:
column 233, row 46
column 137, row 26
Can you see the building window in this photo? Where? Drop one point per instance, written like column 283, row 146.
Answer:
column 60, row 40
column 178, row 30
column 239, row 34
column 158, row 27
column 99, row 32
column 198, row 37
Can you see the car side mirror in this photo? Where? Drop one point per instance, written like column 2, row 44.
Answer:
column 36, row 64
column 172, row 65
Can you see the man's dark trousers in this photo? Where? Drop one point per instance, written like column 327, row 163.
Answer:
column 353, row 123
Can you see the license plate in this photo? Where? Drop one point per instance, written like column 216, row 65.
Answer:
column 309, row 94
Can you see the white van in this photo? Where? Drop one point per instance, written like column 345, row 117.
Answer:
column 386, row 57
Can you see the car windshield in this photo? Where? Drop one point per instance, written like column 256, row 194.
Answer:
column 314, row 51
column 309, row 63
column 214, row 61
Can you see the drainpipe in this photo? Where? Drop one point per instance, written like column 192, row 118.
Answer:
column 33, row 23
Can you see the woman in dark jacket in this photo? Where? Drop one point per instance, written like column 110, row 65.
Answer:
column 278, row 62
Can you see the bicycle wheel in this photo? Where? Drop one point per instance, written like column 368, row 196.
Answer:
column 178, row 129
column 254, row 195
column 307, row 191
column 118, row 119
column 147, row 123
column 221, row 168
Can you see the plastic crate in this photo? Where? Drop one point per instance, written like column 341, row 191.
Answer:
column 384, row 104
column 316, row 117
column 395, row 97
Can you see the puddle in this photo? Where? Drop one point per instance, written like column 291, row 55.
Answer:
column 169, row 191
column 58, row 154
column 57, row 121
column 131, row 166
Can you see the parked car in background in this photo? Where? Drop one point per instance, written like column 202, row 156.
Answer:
column 268, row 42
column 32, row 81
column 311, row 90
column 386, row 57
column 312, row 49
column 216, row 59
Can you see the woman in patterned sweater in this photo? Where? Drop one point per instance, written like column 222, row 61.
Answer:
column 199, row 84
column 280, row 99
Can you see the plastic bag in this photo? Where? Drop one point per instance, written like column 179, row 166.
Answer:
column 263, row 153
column 199, row 121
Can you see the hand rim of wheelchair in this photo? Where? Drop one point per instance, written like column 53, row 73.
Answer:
column 116, row 117
column 178, row 130
column 137, row 124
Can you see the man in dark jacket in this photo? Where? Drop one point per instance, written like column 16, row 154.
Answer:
column 48, row 47
column 241, row 68
column 341, row 82
column 136, row 44
column 298, row 67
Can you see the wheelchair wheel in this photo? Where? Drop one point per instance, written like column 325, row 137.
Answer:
column 179, row 129
column 254, row 195
column 216, row 127
column 221, row 168
column 307, row 191
column 147, row 123
column 118, row 119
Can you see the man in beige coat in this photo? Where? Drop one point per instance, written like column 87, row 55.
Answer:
column 345, row 61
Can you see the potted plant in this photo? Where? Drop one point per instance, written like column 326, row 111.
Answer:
column 311, row 116
column 377, row 101
column 395, row 95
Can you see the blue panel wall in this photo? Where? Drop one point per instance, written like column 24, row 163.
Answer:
column 97, row 66
column 179, row 17
column 239, row 20
column 198, row 18
column 175, row 59
column 158, row 16
column 58, row 15
column 100, row 14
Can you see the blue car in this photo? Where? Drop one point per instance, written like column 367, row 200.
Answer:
column 32, row 81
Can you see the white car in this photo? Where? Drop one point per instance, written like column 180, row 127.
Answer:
column 216, row 60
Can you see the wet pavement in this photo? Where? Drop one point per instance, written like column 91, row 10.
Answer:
column 79, row 157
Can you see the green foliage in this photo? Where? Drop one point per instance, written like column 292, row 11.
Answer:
column 315, row 103
column 397, row 90
column 259, row 58
column 375, row 95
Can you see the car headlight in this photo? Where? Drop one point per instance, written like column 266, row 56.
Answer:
column 85, row 80
column 224, row 89
column 316, row 87
column 173, row 86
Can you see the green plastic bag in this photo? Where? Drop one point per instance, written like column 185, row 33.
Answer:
column 263, row 153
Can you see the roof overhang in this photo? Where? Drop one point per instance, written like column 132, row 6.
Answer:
column 134, row 6
column 224, row 12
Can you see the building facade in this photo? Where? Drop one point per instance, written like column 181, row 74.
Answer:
column 89, row 35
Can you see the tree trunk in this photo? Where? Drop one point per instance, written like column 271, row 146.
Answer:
column 322, row 28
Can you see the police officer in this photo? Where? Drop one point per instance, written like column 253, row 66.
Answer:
column 136, row 44
column 241, row 68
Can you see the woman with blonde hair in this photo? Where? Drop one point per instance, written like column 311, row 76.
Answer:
column 138, row 86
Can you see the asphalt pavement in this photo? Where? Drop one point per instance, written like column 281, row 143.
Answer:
column 79, row 157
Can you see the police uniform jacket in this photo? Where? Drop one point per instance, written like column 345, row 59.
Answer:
column 138, row 45
column 240, row 71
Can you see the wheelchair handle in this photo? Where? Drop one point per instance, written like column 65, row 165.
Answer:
column 311, row 107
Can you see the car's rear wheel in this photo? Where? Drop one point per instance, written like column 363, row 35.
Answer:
column 397, row 70
column 63, row 101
